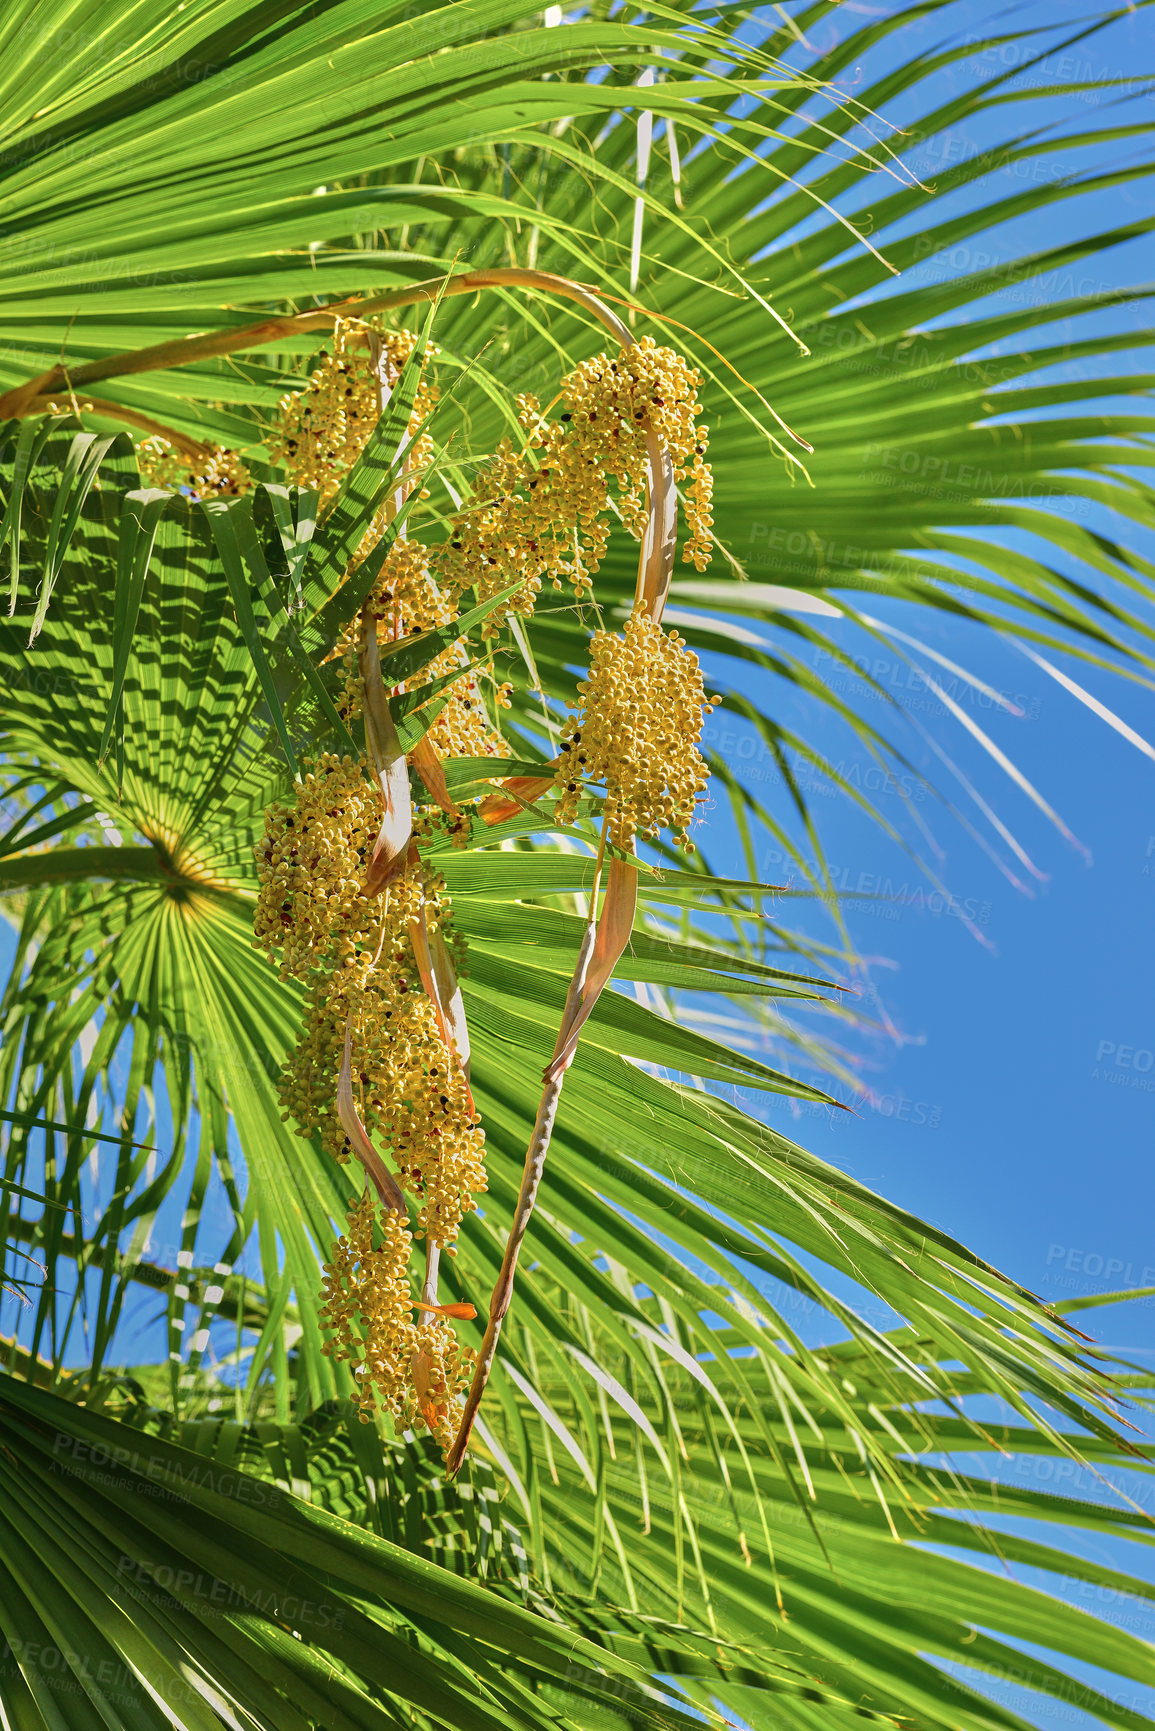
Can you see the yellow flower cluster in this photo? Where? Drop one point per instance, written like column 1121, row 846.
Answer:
column 614, row 403
column 417, row 1373
column 311, row 866
column 404, row 600
column 355, row 954
column 221, row 475
column 324, row 428
column 376, row 1057
column 637, row 730
column 462, row 729
column 541, row 513
column 537, row 514
column 409, row 1088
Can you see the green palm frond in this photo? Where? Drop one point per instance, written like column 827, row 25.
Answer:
column 677, row 1239
column 162, row 1584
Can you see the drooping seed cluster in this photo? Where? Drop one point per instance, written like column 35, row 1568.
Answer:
column 311, row 867
column 324, row 428
column 405, row 600
column 541, row 513
column 354, row 953
column 376, row 1059
column 463, row 728
column 220, row 475
column 536, row 514
column 409, row 1088
column 417, row 1373
column 615, row 403
column 637, row 728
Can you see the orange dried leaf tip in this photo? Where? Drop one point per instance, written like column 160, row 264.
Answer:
column 520, row 792
column 459, row 1312
column 428, row 766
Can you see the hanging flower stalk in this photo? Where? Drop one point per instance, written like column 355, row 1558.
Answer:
column 346, row 898
column 361, row 920
column 639, row 715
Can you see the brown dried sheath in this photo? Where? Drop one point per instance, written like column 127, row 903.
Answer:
column 449, row 995
column 378, row 1173
column 388, row 761
column 530, row 1180
column 656, row 561
column 613, row 934
column 429, row 767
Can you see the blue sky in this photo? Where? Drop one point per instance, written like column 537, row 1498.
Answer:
column 1016, row 1104
column 1019, row 1107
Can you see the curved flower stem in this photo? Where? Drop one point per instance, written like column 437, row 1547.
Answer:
column 50, row 403
column 267, row 332
column 657, row 557
column 376, row 1170
column 530, row 1180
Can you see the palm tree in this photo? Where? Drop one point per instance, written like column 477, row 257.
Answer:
column 676, row 1506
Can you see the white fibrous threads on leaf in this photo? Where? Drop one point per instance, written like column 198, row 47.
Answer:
column 541, row 514
column 416, row 1373
column 637, row 728
column 219, row 474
